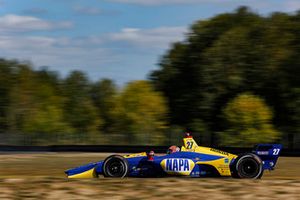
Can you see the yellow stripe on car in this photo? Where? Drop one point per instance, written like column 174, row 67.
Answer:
column 87, row 174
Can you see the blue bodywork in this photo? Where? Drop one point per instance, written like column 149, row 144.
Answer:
column 141, row 166
column 268, row 153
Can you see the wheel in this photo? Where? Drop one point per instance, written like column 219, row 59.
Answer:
column 247, row 166
column 115, row 166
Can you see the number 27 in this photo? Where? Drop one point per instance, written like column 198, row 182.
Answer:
column 276, row 152
column 189, row 145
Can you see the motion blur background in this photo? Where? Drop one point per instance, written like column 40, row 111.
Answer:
column 232, row 81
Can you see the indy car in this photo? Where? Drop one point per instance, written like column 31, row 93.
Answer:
column 189, row 160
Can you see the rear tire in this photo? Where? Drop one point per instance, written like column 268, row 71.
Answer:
column 115, row 166
column 247, row 166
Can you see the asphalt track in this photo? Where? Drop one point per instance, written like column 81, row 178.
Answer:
column 40, row 176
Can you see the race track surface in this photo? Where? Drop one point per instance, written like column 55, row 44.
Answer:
column 40, row 176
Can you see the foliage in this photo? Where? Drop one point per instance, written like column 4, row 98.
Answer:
column 5, row 87
column 43, row 108
column 103, row 94
column 249, row 122
column 227, row 55
column 220, row 59
column 141, row 113
column 79, row 110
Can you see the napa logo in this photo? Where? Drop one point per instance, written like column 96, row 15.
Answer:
column 179, row 166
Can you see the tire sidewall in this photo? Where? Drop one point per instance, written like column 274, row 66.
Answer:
column 121, row 159
column 240, row 158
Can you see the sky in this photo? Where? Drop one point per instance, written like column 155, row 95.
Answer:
column 118, row 39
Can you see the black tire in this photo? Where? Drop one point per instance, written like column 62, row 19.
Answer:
column 247, row 166
column 115, row 166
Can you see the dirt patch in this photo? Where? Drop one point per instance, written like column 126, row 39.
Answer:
column 163, row 188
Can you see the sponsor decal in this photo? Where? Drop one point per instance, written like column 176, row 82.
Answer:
column 203, row 173
column 226, row 160
column 179, row 166
column 219, row 151
column 135, row 155
column 262, row 152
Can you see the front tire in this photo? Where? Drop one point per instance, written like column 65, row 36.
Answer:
column 115, row 166
column 247, row 166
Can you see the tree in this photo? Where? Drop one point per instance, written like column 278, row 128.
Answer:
column 141, row 114
column 79, row 110
column 103, row 94
column 226, row 55
column 35, row 108
column 6, row 83
column 249, row 122
column 22, row 101
column 194, row 79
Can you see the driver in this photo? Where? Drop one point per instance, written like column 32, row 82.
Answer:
column 173, row 149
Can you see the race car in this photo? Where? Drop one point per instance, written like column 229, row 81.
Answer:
column 189, row 160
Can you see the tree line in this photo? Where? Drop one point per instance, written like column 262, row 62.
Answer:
column 42, row 107
column 233, row 81
column 232, row 54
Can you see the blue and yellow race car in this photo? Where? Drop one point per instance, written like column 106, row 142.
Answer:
column 189, row 160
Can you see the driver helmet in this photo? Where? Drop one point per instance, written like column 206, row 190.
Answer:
column 173, row 149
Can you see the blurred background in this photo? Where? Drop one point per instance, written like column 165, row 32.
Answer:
column 232, row 81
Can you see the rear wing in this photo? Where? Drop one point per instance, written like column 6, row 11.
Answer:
column 268, row 153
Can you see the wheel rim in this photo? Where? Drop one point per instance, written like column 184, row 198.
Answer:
column 249, row 168
column 115, row 168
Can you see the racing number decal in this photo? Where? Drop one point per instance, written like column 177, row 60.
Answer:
column 276, row 152
column 189, row 145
